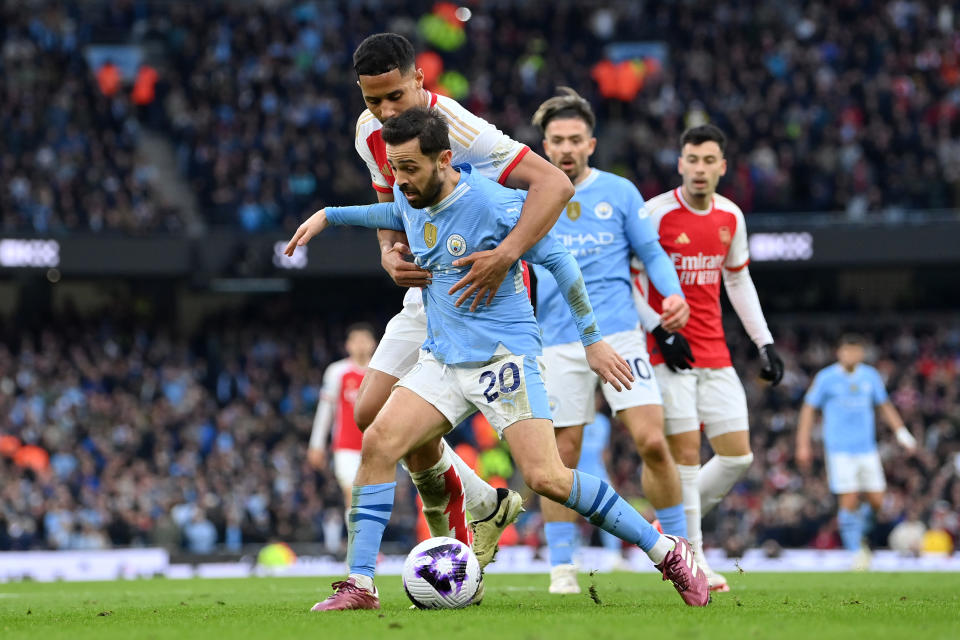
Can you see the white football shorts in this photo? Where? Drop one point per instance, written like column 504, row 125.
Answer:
column 346, row 463
column 406, row 332
column 855, row 472
column 571, row 383
column 714, row 397
column 506, row 389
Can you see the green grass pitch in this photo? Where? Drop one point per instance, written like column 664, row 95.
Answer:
column 782, row 606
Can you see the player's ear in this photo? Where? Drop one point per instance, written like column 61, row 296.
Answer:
column 445, row 159
column 593, row 146
column 723, row 167
column 418, row 78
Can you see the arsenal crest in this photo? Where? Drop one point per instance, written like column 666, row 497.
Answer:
column 430, row 235
column 725, row 237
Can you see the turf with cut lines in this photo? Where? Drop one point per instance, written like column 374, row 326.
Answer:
column 782, row 606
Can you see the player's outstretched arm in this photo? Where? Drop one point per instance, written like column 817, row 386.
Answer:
column 384, row 215
column 746, row 303
column 892, row 417
column 602, row 358
column 548, row 190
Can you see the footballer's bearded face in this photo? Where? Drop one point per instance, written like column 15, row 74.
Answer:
column 702, row 166
column 569, row 143
column 390, row 94
column 419, row 177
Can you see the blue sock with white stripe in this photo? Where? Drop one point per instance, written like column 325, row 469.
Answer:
column 673, row 520
column 561, row 541
column 851, row 532
column 593, row 498
column 369, row 514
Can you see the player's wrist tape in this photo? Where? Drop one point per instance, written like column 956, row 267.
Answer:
column 905, row 438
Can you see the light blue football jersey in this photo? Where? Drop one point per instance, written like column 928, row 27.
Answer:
column 600, row 226
column 476, row 216
column 847, row 401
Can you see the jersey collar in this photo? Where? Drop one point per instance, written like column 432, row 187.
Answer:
column 463, row 185
column 591, row 178
column 678, row 192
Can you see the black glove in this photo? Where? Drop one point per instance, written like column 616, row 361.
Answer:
column 771, row 366
column 674, row 348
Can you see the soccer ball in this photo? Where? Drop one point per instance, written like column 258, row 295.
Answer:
column 441, row 573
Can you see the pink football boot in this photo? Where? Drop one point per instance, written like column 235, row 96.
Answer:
column 347, row 595
column 682, row 570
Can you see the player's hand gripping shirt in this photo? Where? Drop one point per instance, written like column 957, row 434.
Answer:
column 701, row 244
column 847, row 401
column 476, row 216
column 600, row 226
column 474, row 141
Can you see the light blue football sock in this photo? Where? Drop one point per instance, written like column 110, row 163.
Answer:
column 369, row 514
column 593, row 498
column 866, row 519
column 851, row 533
column 673, row 520
column 561, row 541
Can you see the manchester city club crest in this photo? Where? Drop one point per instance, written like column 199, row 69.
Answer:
column 573, row 210
column 603, row 210
column 456, row 245
column 430, row 235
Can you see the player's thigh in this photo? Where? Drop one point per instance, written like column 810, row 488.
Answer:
column 645, row 390
column 346, row 462
column 731, row 443
column 721, row 402
column 645, row 425
column 372, row 395
column 407, row 422
column 849, row 501
column 570, row 384
column 678, row 390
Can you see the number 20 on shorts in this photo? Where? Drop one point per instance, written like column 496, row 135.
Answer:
column 491, row 379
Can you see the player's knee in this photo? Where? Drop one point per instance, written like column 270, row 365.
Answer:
column 547, row 482
column 652, row 447
column 378, row 450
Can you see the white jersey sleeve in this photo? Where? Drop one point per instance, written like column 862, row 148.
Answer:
column 738, row 256
column 327, row 407
column 367, row 125
column 492, row 153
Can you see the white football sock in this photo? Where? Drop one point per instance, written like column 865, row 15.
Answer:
column 441, row 490
column 718, row 476
column 481, row 497
column 689, row 475
column 660, row 549
column 364, row 582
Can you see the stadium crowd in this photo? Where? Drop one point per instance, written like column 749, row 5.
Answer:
column 69, row 155
column 848, row 106
column 116, row 431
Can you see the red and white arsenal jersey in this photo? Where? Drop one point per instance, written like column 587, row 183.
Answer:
column 492, row 153
column 701, row 244
column 341, row 382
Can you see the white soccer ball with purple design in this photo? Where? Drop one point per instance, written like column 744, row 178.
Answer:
column 441, row 573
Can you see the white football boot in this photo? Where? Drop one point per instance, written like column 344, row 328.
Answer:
column 563, row 579
column 487, row 532
column 861, row 560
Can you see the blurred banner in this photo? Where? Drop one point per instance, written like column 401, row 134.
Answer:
column 354, row 252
